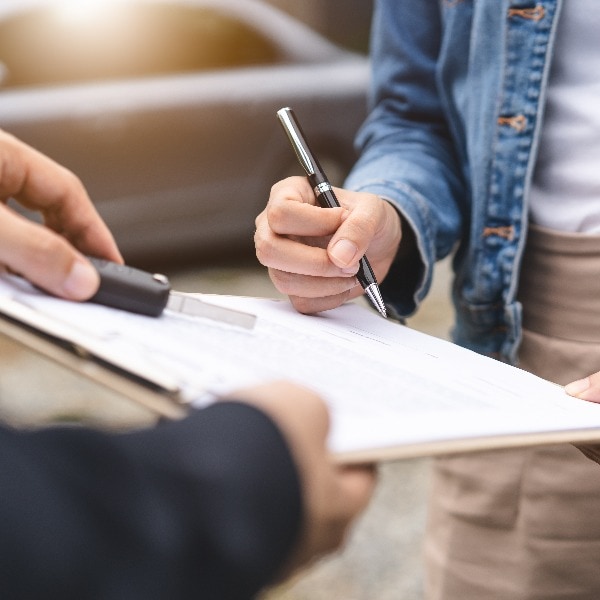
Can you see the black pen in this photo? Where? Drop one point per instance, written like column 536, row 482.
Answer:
column 326, row 197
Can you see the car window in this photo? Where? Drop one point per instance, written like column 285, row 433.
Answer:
column 47, row 46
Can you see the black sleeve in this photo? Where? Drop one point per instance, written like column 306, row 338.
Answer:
column 205, row 508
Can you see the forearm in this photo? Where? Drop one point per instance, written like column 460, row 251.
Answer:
column 205, row 507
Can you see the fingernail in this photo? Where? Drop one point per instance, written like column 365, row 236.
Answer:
column 576, row 387
column 344, row 252
column 81, row 282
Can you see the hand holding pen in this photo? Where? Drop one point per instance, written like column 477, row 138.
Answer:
column 326, row 197
column 314, row 255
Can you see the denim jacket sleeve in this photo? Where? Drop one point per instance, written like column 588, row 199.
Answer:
column 407, row 153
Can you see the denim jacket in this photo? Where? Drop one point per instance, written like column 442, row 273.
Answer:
column 456, row 107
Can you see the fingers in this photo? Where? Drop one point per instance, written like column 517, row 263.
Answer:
column 40, row 184
column 44, row 258
column 311, row 286
column 309, row 306
column 290, row 239
column 587, row 388
column 295, row 256
column 43, row 254
column 304, row 272
column 292, row 210
column 313, row 253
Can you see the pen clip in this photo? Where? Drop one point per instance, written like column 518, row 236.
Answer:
column 295, row 134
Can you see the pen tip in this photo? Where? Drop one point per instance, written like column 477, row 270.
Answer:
column 375, row 297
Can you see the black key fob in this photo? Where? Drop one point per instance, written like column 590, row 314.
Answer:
column 130, row 289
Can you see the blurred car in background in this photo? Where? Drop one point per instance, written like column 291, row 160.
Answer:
column 166, row 110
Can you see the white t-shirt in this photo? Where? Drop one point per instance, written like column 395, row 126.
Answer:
column 565, row 193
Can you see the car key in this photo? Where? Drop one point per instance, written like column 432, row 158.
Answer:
column 144, row 293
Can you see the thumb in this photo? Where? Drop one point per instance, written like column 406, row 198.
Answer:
column 352, row 238
column 587, row 388
column 45, row 258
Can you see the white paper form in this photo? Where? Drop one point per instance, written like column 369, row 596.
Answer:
column 390, row 386
column 392, row 391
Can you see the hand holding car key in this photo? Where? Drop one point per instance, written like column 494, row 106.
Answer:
column 150, row 294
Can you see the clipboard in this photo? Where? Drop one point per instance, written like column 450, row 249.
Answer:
column 439, row 394
column 160, row 401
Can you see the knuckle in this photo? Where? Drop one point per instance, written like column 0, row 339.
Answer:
column 71, row 185
column 282, row 280
column 72, row 179
column 276, row 214
column 265, row 250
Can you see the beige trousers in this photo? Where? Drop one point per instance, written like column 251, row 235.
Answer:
column 525, row 524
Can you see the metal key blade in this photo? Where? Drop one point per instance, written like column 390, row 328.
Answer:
column 196, row 307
